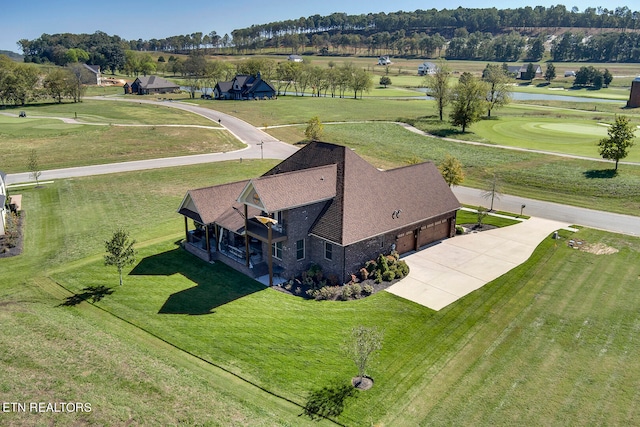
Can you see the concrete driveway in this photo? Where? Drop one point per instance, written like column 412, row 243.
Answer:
column 452, row 268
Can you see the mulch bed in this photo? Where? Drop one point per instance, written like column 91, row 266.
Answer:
column 7, row 251
column 377, row 287
column 475, row 228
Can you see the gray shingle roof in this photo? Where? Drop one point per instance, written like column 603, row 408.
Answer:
column 155, row 82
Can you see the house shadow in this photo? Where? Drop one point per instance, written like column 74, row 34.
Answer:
column 600, row 173
column 215, row 285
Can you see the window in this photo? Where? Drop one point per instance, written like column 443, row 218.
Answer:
column 300, row 249
column 276, row 250
column 328, row 251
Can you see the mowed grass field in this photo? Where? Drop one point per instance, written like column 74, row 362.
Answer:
column 102, row 139
column 566, row 317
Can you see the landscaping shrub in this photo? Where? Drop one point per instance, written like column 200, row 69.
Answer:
column 388, row 275
column 367, row 289
column 357, row 290
column 347, row 292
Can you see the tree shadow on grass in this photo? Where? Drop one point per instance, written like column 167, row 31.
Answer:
column 328, row 401
column 447, row 133
column 600, row 173
column 93, row 293
column 216, row 284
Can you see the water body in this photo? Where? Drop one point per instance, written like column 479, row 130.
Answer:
column 523, row 96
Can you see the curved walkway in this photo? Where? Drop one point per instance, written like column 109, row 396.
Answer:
column 453, row 268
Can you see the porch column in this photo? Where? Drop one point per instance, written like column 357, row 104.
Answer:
column 416, row 240
column 206, row 236
column 186, row 229
column 269, row 238
column 246, row 235
column 216, row 231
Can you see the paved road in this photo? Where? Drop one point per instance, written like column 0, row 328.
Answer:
column 625, row 224
column 274, row 149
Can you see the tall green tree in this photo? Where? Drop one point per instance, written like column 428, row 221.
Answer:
column 616, row 145
column 607, row 77
column 360, row 81
column 550, row 72
column 468, row 101
column 530, row 73
column 451, row 170
column 120, row 251
column 438, row 85
column 498, row 88
column 58, row 83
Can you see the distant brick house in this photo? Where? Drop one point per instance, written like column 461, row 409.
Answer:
column 323, row 205
column 147, row 85
column 244, row 87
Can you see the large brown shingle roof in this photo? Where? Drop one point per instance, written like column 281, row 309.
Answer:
column 298, row 188
column 361, row 201
column 366, row 197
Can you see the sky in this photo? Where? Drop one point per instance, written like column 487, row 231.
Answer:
column 147, row 19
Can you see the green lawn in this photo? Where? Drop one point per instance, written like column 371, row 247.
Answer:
column 115, row 112
column 562, row 180
column 576, row 137
column 565, row 318
column 299, row 109
column 60, row 145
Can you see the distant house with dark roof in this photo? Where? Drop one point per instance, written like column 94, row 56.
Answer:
column 149, row 85
column 518, row 71
column 244, row 86
column 323, row 205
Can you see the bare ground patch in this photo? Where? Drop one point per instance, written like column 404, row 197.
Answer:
column 592, row 248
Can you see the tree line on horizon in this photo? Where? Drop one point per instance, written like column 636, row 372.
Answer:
column 475, row 34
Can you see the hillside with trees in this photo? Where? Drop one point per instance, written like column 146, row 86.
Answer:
column 489, row 34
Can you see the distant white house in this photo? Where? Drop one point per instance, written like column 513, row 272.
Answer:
column 384, row 60
column 295, row 58
column 94, row 73
column 426, row 68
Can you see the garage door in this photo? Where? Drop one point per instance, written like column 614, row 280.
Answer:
column 434, row 231
column 405, row 242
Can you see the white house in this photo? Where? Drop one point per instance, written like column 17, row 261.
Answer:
column 426, row 68
column 384, row 60
column 294, row 58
